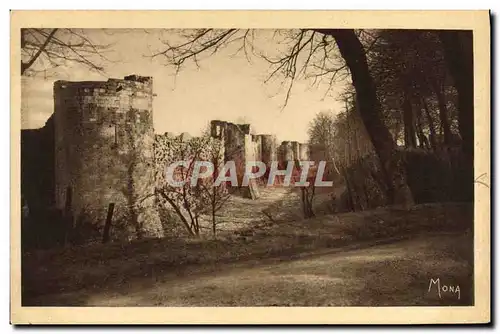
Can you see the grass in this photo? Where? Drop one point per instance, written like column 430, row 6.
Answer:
column 392, row 274
column 106, row 273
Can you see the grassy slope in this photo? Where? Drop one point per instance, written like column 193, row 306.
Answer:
column 365, row 261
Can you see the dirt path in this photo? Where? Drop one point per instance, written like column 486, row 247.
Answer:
column 275, row 204
column 397, row 273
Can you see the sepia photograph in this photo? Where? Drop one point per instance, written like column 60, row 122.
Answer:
column 220, row 166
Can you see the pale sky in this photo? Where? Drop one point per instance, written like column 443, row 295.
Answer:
column 226, row 87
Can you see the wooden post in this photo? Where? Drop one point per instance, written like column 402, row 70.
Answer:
column 107, row 225
column 67, row 217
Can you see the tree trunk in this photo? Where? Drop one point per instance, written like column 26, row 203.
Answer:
column 27, row 65
column 310, row 202
column 370, row 112
column 432, row 129
column 458, row 49
column 350, row 194
column 179, row 213
column 213, row 223
column 306, row 203
column 107, row 225
column 422, row 138
column 443, row 114
column 214, row 204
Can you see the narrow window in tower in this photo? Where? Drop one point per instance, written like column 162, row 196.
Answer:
column 144, row 116
column 130, row 116
column 114, row 130
column 90, row 112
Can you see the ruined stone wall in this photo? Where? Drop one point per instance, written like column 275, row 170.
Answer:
column 169, row 148
column 37, row 166
column 253, row 148
column 257, row 143
column 295, row 150
column 268, row 149
column 286, row 152
column 304, row 152
column 233, row 136
column 237, row 143
column 104, row 151
column 241, row 146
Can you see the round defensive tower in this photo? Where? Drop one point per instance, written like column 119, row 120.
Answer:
column 105, row 152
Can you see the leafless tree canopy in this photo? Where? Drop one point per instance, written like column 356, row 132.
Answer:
column 296, row 54
column 44, row 49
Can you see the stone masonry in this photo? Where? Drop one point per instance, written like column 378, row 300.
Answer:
column 243, row 147
column 104, row 140
column 105, row 150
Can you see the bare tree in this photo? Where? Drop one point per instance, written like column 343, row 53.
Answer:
column 214, row 195
column 302, row 53
column 308, row 190
column 410, row 72
column 43, row 49
column 193, row 199
column 307, row 196
column 184, row 199
column 322, row 133
column 321, row 130
column 458, row 48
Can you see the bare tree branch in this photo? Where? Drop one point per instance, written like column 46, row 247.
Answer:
column 58, row 47
column 305, row 54
column 25, row 66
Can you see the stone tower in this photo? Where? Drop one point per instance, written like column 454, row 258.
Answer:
column 104, row 151
column 268, row 150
